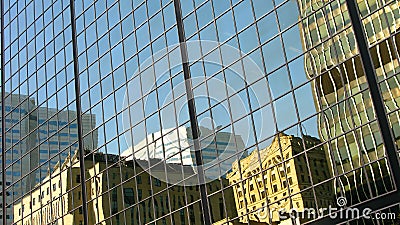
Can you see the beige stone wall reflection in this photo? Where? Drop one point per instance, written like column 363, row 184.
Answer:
column 263, row 180
column 137, row 201
column 56, row 200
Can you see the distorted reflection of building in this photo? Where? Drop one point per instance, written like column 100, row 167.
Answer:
column 336, row 70
column 263, row 181
column 17, row 108
column 115, row 197
column 35, row 135
column 176, row 146
column 53, row 197
column 19, row 141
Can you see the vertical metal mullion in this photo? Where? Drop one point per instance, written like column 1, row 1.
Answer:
column 3, row 121
column 78, row 113
column 376, row 95
column 192, row 112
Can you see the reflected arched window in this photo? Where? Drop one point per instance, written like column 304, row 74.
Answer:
column 129, row 198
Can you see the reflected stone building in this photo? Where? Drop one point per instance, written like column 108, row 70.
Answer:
column 55, row 196
column 266, row 178
column 111, row 188
column 340, row 90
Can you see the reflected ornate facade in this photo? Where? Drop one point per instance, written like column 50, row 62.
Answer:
column 265, row 179
column 60, row 191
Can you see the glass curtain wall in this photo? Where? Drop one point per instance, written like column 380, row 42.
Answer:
column 199, row 111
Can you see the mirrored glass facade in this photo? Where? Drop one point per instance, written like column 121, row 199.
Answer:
column 192, row 112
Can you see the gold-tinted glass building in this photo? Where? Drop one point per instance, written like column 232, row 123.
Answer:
column 340, row 90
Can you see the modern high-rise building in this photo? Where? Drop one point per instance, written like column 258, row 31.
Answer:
column 21, row 125
column 192, row 93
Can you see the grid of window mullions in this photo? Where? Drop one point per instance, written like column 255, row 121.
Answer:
column 130, row 79
column 65, row 10
column 165, row 31
column 62, row 32
column 286, row 63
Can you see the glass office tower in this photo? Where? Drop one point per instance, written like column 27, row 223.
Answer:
column 199, row 111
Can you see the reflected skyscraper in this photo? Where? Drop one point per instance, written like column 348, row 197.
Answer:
column 37, row 124
column 20, row 124
column 61, row 140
